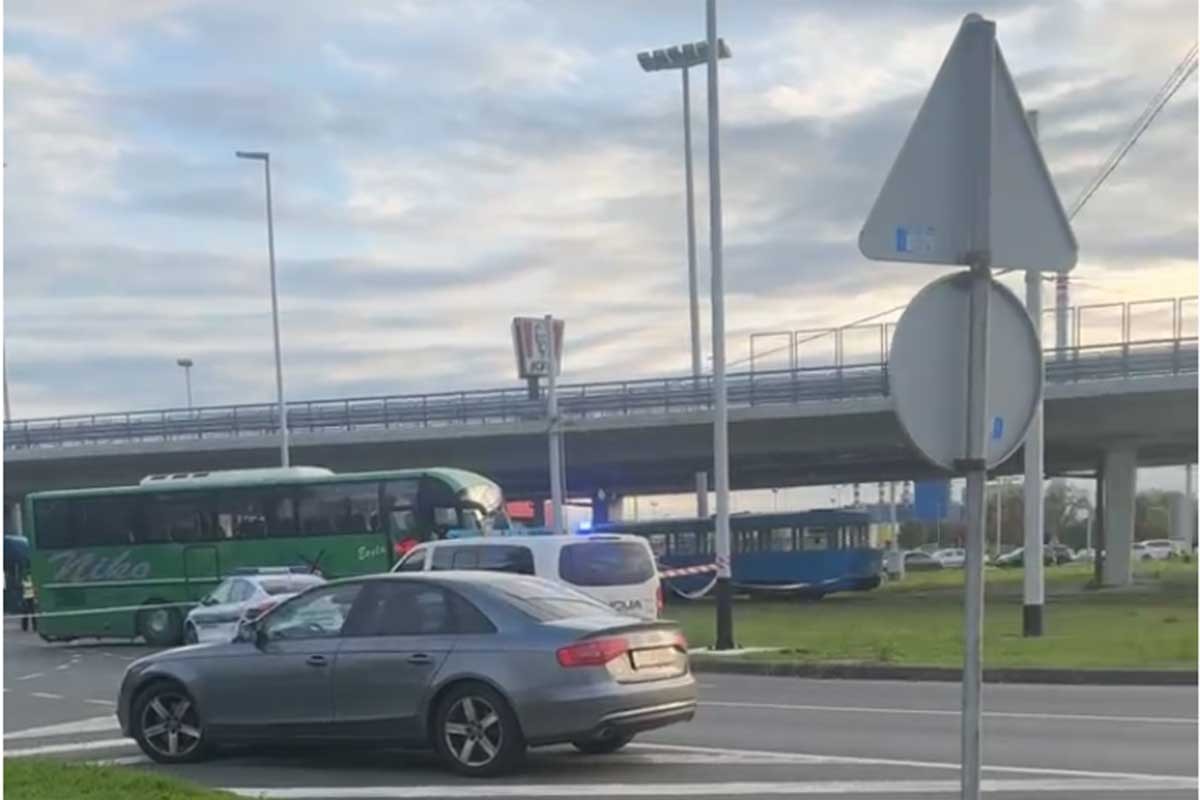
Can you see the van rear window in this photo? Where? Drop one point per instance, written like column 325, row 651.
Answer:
column 597, row 563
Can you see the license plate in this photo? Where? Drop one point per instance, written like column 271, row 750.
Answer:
column 657, row 657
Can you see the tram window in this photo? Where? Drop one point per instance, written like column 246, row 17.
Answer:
column 816, row 539
column 710, row 542
column 782, row 540
column 684, row 544
column 658, row 543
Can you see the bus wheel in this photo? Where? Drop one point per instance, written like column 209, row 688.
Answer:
column 160, row 627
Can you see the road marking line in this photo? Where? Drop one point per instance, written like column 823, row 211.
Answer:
column 90, row 725
column 46, row 695
column 101, row 702
column 64, row 666
column 938, row 712
column 31, row 676
column 739, row 788
column 815, row 758
column 70, row 747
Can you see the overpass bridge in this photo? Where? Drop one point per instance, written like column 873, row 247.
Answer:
column 816, row 425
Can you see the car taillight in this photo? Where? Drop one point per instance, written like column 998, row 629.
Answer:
column 592, row 652
column 658, row 597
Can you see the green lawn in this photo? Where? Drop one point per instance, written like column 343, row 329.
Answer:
column 918, row 621
column 41, row 779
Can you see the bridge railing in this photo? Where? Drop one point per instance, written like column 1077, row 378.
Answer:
column 1085, row 326
column 576, row 401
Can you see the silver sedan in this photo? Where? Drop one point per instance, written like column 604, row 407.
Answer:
column 477, row 665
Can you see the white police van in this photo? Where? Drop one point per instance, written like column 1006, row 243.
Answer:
column 618, row 570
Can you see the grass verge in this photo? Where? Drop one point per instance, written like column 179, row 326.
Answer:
column 44, row 779
column 918, row 621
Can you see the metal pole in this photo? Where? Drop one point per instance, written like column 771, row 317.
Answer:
column 720, row 412
column 187, row 379
column 1061, row 313
column 999, row 510
column 556, row 484
column 982, row 55
column 7, row 405
column 693, row 279
column 1032, row 612
column 284, row 455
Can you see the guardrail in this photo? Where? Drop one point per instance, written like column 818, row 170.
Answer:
column 1129, row 360
column 1106, row 323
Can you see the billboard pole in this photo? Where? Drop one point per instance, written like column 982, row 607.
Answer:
column 556, row 474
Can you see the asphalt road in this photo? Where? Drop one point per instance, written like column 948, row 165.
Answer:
column 753, row 737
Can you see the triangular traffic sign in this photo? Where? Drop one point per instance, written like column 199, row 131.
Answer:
column 957, row 162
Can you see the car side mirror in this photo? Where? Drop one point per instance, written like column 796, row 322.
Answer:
column 260, row 637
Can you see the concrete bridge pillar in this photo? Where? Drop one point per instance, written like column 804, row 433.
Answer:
column 13, row 524
column 1120, row 492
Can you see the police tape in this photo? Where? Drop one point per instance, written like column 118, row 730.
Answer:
column 678, row 572
column 107, row 610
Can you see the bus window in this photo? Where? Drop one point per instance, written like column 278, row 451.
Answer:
column 52, row 525
column 400, row 507
column 339, row 508
column 240, row 514
column 178, row 517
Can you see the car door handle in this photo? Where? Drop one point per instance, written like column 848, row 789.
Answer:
column 316, row 661
column 419, row 659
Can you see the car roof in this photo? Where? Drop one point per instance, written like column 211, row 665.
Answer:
column 539, row 540
column 471, row 577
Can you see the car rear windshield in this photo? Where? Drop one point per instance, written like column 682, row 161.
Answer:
column 288, row 583
column 597, row 563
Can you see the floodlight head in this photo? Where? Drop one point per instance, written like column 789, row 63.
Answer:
column 184, row 362
column 680, row 56
column 255, row 155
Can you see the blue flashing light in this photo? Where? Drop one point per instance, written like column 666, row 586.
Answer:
column 585, row 526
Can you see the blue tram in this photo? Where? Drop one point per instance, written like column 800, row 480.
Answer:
column 806, row 553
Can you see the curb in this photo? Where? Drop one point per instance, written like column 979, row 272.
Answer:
column 882, row 672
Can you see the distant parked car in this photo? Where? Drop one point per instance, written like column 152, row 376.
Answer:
column 1157, row 550
column 951, row 557
column 1058, row 554
column 1085, row 554
column 916, row 561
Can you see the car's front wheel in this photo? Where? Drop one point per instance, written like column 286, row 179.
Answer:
column 600, row 745
column 476, row 733
column 167, row 725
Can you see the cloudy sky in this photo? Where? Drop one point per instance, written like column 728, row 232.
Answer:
column 439, row 167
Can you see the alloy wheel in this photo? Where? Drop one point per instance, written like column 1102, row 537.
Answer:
column 473, row 731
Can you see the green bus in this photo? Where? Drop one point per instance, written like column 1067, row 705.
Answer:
column 130, row 561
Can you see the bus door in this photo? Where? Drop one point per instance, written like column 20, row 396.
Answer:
column 201, row 569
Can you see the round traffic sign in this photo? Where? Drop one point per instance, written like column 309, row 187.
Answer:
column 927, row 371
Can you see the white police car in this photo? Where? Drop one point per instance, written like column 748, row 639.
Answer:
column 245, row 595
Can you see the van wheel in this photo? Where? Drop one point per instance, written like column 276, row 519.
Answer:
column 600, row 745
column 476, row 733
column 160, row 627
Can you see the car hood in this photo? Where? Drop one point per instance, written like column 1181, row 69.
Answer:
column 206, row 650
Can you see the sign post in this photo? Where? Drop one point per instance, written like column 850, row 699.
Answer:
column 537, row 344
column 969, row 187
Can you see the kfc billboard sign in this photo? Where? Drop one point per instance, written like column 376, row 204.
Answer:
column 531, row 344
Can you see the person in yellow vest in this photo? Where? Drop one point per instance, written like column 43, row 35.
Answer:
column 27, row 601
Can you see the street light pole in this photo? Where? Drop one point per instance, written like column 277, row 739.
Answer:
column 720, row 411
column 186, row 363
column 683, row 58
column 284, row 456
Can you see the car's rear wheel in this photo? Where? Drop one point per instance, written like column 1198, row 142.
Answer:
column 476, row 733
column 599, row 745
column 167, row 725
